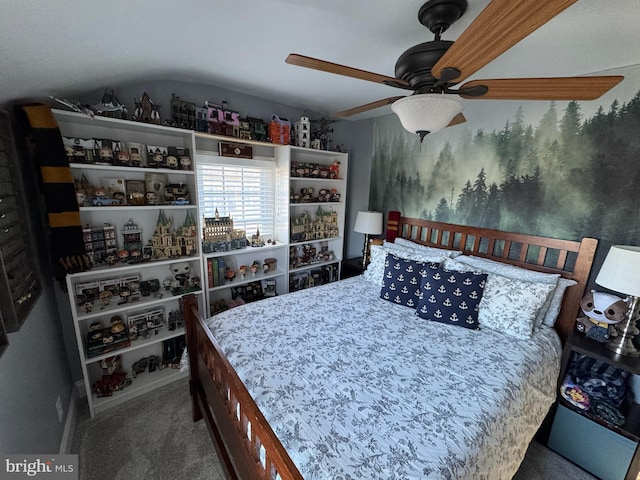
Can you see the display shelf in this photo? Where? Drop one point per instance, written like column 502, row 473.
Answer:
column 296, row 244
column 248, row 278
column 119, row 268
column 314, row 204
column 143, row 383
column 316, row 179
column 247, row 250
column 148, row 226
column 135, row 305
column 106, row 168
column 312, row 266
column 318, row 170
column 163, row 334
column 136, row 208
column 219, row 290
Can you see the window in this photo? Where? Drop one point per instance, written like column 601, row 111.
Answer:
column 244, row 190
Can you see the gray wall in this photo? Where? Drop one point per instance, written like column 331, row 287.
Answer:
column 34, row 372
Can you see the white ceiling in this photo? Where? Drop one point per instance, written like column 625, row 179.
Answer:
column 64, row 48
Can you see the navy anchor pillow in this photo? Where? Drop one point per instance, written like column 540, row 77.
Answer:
column 451, row 297
column 401, row 280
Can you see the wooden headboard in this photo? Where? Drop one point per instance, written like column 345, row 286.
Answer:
column 571, row 259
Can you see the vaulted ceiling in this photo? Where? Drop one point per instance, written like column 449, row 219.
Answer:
column 64, row 48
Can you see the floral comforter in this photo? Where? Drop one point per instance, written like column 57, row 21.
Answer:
column 356, row 387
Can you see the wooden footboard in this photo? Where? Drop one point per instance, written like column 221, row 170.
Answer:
column 246, row 445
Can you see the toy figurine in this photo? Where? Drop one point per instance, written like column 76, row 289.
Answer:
column 603, row 311
column 229, row 274
column 181, row 273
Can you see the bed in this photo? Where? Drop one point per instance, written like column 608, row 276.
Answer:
column 340, row 382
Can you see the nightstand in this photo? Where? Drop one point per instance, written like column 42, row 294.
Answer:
column 607, row 451
column 351, row 268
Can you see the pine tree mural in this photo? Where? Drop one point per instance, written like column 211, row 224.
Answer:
column 566, row 177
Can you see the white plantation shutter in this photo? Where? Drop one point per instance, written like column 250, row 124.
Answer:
column 243, row 190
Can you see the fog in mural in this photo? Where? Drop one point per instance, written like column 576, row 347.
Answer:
column 562, row 172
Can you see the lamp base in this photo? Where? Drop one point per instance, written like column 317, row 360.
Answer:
column 623, row 346
column 627, row 330
column 365, row 252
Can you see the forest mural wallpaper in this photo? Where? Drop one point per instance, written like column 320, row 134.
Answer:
column 560, row 169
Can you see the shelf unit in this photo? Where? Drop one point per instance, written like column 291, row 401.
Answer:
column 139, row 287
column 224, row 293
column 317, row 189
column 614, row 453
column 227, row 291
column 146, row 217
column 286, row 210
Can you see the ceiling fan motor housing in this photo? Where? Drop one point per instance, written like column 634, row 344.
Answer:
column 414, row 65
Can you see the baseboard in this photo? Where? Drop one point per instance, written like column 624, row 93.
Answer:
column 70, row 423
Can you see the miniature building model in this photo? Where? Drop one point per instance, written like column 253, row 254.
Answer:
column 219, row 234
column 222, row 121
column 183, row 113
column 280, row 130
column 302, row 132
column 324, row 226
column 187, row 235
column 100, row 242
column 258, row 129
column 167, row 243
column 146, row 111
column 202, row 125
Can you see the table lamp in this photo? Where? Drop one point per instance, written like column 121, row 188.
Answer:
column 620, row 272
column 369, row 223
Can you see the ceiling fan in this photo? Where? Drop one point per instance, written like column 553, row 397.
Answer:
column 432, row 69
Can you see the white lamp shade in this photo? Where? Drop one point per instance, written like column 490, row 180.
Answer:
column 620, row 270
column 428, row 112
column 368, row 222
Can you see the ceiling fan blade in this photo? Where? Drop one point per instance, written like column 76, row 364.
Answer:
column 502, row 24
column 366, row 107
column 457, row 120
column 316, row 64
column 561, row 88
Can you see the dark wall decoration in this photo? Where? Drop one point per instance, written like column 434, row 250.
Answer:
column 569, row 170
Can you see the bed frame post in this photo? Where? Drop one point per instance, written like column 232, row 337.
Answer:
column 189, row 310
column 393, row 221
column 571, row 301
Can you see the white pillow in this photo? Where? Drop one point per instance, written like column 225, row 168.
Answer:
column 518, row 273
column 404, row 242
column 506, row 270
column 375, row 269
column 556, row 301
column 510, row 306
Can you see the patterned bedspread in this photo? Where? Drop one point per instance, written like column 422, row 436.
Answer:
column 358, row 388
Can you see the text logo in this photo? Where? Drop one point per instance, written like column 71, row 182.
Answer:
column 49, row 467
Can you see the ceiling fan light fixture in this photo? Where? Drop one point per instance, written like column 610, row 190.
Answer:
column 427, row 112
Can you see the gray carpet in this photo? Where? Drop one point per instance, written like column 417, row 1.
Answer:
column 153, row 437
column 148, row 437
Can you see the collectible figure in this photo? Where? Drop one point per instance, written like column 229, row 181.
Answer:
column 602, row 311
column 181, row 273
